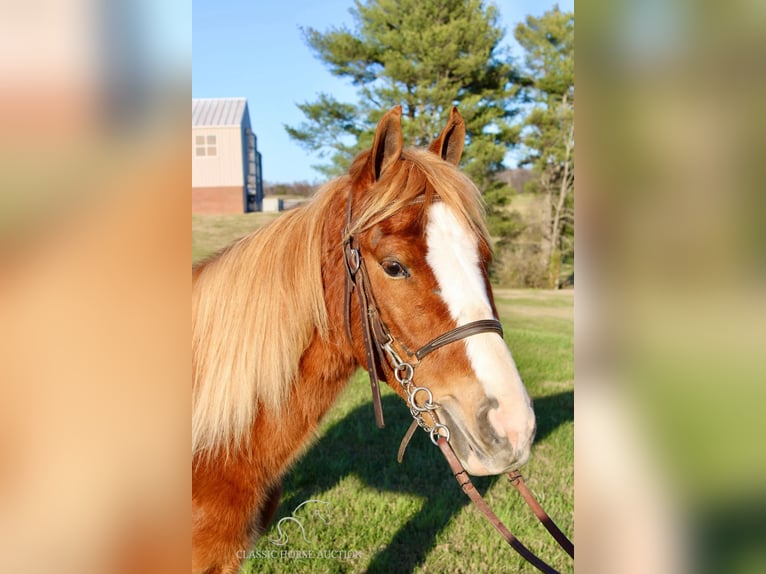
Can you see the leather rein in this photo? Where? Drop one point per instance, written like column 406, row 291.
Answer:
column 382, row 349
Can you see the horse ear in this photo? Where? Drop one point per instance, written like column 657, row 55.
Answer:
column 387, row 146
column 449, row 144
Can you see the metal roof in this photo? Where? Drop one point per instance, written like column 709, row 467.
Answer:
column 218, row 111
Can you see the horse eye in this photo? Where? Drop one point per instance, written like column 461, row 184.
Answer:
column 394, row 269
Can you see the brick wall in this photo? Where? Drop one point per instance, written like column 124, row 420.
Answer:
column 208, row 200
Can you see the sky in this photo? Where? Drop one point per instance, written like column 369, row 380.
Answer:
column 255, row 49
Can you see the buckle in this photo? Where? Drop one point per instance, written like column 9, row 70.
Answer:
column 351, row 257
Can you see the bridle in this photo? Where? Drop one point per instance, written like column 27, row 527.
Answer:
column 379, row 344
column 382, row 349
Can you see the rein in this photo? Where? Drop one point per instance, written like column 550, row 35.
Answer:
column 381, row 349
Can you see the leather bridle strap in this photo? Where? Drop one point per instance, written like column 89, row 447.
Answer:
column 518, row 481
column 470, row 490
column 356, row 280
column 473, row 328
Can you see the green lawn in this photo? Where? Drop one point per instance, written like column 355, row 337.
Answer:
column 212, row 232
column 378, row 516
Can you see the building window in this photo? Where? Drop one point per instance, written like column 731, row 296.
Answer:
column 205, row 146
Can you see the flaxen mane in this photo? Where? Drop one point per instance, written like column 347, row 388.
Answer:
column 248, row 334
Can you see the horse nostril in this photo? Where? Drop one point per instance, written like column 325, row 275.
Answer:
column 484, row 422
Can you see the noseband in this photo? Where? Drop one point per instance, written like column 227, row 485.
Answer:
column 382, row 349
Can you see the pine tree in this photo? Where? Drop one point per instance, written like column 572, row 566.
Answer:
column 548, row 128
column 427, row 55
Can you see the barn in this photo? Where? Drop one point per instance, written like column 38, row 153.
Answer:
column 226, row 163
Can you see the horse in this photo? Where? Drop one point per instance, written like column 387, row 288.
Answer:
column 276, row 334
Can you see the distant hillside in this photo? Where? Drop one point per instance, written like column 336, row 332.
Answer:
column 516, row 178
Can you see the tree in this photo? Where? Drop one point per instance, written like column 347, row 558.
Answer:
column 548, row 128
column 427, row 55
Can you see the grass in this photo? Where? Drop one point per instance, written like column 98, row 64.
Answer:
column 210, row 233
column 386, row 517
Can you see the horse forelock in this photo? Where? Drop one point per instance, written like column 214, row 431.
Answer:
column 419, row 174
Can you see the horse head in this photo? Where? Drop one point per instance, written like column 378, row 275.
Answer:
column 418, row 228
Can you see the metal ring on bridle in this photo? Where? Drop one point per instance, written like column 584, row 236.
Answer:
column 435, row 434
column 428, row 404
column 404, row 368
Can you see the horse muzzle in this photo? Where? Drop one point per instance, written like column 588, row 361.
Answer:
column 489, row 443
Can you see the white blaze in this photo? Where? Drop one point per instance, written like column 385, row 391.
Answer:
column 453, row 255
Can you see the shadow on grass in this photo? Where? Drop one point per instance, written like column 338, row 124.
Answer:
column 552, row 411
column 355, row 446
